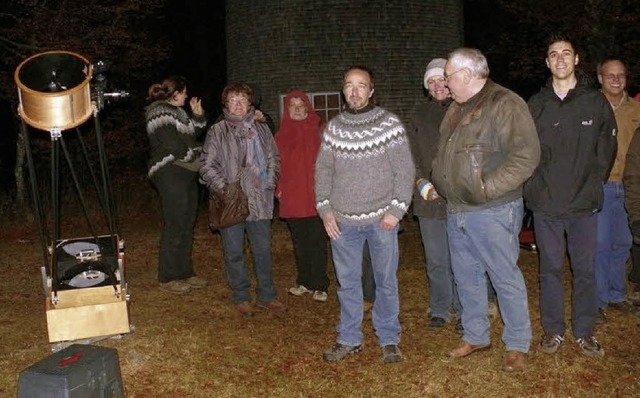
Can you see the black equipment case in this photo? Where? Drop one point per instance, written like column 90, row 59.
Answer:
column 78, row 371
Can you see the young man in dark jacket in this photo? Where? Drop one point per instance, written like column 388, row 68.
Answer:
column 577, row 132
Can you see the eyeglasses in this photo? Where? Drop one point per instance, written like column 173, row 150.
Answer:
column 238, row 100
column 448, row 76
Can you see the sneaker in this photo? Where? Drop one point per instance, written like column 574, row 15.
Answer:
column 492, row 310
column 274, row 306
column 319, row 295
column 391, row 354
column 601, row 317
column 299, row 291
column 339, row 351
column 590, row 346
column 196, row 282
column 175, row 287
column 245, row 308
column 436, row 323
column 550, row 343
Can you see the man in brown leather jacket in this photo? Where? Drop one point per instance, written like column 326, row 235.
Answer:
column 488, row 148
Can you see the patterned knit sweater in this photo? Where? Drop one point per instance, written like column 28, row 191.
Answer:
column 173, row 136
column 364, row 168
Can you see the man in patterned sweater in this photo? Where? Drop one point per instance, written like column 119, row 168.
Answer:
column 363, row 182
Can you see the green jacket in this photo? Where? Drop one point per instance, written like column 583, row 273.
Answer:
column 424, row 133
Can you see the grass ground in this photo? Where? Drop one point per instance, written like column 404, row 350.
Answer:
column 197, row 346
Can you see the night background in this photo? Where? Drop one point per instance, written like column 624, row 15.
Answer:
column 197, row 345
column 147, row 40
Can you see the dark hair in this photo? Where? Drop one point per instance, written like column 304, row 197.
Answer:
column 610, row 59
column 167, row 88
column 359, row 67
column 240, row 88
column 561, row 36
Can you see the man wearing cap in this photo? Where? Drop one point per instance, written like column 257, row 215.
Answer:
column 431, row 209
column 488, row 147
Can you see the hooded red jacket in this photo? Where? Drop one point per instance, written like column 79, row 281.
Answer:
column 298, row 143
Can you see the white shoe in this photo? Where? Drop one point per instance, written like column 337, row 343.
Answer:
column 319, row 295
column 299, row 291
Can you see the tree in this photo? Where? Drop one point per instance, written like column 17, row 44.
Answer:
column 129, row 32
column 512, row 34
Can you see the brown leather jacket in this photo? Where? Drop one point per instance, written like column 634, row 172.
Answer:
column 488, row 147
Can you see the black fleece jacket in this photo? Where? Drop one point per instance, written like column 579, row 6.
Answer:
column 578, row 145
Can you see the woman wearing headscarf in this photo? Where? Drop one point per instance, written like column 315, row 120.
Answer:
column 298, row 143
column 239, row 147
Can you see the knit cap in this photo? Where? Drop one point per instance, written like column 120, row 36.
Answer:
column 434, row 68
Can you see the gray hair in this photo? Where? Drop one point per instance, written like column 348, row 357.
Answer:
column 471, row 59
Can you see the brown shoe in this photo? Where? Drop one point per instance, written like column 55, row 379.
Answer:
column 274, row 306
column 514, row 361
column 175, row 287
column 245, row 308
column 196, row 282
column 465, row 349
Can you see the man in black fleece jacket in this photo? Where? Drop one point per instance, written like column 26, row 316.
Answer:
column 577, row 131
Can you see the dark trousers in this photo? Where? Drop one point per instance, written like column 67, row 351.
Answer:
column 310, row 251
column 581, row 235
column 178, row 190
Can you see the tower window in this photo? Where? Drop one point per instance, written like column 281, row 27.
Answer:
column 326, row 104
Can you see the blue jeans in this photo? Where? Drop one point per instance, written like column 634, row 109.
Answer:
column 581, row 245
column 442, row 288
column 347, row 259
column 613, row 247
column 485, row 242
column 259, row 234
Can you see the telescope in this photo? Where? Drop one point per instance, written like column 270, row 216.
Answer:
column 59, row 89
column 83, row 277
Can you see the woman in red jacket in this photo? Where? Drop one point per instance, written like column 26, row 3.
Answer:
column 298, row 142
